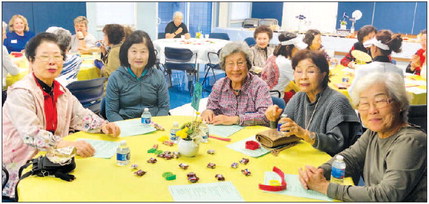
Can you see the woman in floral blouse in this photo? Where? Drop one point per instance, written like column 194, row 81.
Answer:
column 39, row 111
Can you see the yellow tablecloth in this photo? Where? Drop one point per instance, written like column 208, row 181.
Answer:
column 100, row 180
column 87, row 70
column 339, row 72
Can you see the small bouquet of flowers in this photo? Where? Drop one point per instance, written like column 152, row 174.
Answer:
column 194, row 130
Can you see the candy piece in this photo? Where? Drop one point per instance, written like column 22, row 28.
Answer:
column 152, row 160
column 165, row 174
column 193, row 179
column 191, row 174
column 183, row 166
column 234, row 165
column 155, row 146
column 134, row 166
column 210, row 151
column 220, row 177
column 140, row 172
column 246, row 172
column 244, row 161
column 151, row 150
column 168, row 143
column 252, row 145
column 163, row 138
column 170, row 177
column 176, row 155
column 211, row 165
column 158, row 151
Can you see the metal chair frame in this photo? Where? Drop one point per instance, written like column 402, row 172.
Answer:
column 181, row 59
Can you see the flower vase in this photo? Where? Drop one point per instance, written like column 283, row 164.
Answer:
column 343, row 27
column 188, row 148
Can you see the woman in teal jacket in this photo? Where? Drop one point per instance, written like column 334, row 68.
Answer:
column 136, row 84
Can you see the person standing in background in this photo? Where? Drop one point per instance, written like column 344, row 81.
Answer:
column 19, row 34
column 82, row 40
column 419, row 58
column 177, row 28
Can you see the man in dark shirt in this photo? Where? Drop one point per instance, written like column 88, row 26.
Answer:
column 176, row 28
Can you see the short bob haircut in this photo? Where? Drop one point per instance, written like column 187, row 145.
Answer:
column 81, row 19
column 309, row 36
column 34, row 43
column 137, row 37
column 12, row 20
column 63, row 36
column 395, row 87
column 317, row 57
column 232, row 48
column 285, row 50
column 364, row 31
column 114, row 32
column 263, row 29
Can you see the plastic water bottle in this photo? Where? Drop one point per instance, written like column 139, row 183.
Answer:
column 173, row 130
column 123, row 154
column 205, row 128
column 146, row 117
column 338, row 170
column 284, row 115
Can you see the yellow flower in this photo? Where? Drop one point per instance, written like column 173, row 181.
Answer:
column 182, row 133
column 198, row 113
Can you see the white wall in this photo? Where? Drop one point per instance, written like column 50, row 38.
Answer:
column 147, row 18
column 319, row 15
column 223, row 14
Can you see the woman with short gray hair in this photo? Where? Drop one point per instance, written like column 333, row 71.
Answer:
column 72, row 62
column 391, row 155
column 239, row 98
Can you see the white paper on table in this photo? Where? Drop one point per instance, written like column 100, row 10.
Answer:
column 220, row 191
column 223, row 130
column 347, row 69
column 240, row 146
column 133, row 127
column 410, row 82
column 294, row 187
column 416, row 90
column 103, row 149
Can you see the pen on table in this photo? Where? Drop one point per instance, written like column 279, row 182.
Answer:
column 220, row 138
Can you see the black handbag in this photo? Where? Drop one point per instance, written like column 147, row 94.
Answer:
column 42, row 166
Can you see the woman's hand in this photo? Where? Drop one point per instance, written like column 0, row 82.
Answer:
column 351, row 65
column 226, row 120
column 273, row 113
column 111, row 129
column 312, row 178
column 207, row 116
column 83, row 148
column 289, row 128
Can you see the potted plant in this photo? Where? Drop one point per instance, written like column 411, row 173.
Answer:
column 191, row 134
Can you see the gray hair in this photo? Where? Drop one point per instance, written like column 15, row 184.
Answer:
column 177, row 14
column 394, row 84
column 63, row 35
column 232, row 48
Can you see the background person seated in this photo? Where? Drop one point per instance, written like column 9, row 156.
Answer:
column 176, row 28
column 278, row 72
column 318, row 114
column 137, row 84
column 313, row 38
column 39, row 111
column 381, row 46
column 364, row 34
column 239, row 98
column 262, row 49
column 19, row 34
column 419, row 58
column 391, row 155
column 82, row 40
column 114, row 34
column 72, row 62
column 9, row 67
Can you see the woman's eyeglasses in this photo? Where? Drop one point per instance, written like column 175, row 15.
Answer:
column 380, row 102
column 46, row 58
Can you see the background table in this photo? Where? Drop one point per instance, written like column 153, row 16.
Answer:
column 100, row 180
column 87, row 69
column 199, row 46
column 339, row 72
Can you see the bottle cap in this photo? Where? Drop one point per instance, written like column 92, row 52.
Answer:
column 339, row 157
column 175, row 124
column 146, row 109
column 123, row 142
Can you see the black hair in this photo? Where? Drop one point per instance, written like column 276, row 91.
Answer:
column 394, row 41
column 285, row 50
column 317, row 57
column 136, row 37
column 364, row 31
column 115, row 33
column 34, row 43
column 263, row 29
column 309, row 36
